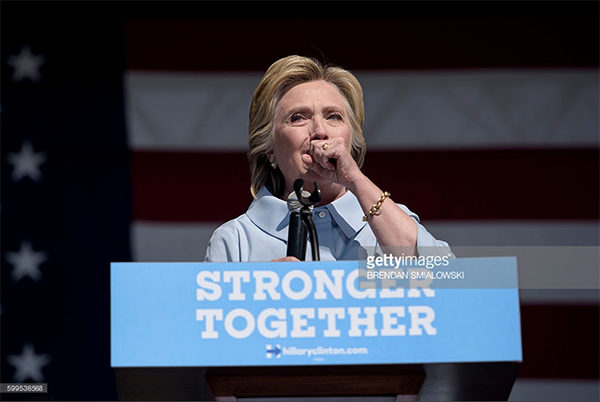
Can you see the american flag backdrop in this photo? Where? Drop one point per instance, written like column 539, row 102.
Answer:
column 124, row 132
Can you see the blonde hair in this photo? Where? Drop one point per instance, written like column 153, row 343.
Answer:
column 281, row 76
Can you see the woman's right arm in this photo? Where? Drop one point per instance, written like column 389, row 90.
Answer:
column 223, row 245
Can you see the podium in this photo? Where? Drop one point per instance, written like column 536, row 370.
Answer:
column 439, row 382
column 280, row 331
column 322, row 381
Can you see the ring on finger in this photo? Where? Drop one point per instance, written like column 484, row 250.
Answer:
column 325, row 147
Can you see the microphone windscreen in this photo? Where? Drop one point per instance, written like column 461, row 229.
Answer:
column 293, row 203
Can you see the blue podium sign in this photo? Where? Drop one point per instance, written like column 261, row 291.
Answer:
column 313, row 313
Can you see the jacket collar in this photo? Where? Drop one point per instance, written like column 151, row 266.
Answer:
column 271, row 214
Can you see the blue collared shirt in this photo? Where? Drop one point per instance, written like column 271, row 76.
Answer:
column 261, row 233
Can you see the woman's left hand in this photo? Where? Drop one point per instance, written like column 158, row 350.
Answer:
column 392, row 226
column 332, row 160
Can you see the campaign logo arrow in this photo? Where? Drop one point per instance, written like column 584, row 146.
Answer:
column 273, row 350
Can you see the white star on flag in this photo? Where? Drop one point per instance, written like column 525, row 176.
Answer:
column 28, row 364
column 26, row 65
column 26, row 163
column 26, row 262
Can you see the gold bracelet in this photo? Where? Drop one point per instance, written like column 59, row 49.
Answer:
column 376, row 208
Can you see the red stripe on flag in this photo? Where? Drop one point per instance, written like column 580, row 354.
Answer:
column 188, row 187
column 560, row 341
column 491, row 184
column 381, row 39
column 438, row 185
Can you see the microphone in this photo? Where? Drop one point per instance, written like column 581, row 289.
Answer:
column 296, row 246
column 300, row 204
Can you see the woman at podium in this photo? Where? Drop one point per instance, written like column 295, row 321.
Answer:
column 306, row 123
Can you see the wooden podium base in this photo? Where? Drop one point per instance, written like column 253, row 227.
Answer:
column 436, row 381
column 401, row 382
column 162, row 384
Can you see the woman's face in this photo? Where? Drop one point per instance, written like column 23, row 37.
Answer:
column 309, row 111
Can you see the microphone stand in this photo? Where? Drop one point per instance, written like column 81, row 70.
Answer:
column 301, row 222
